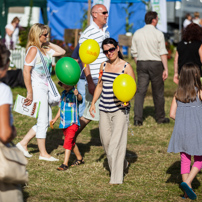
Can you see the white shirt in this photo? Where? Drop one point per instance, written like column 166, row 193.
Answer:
column 6, row 97
column 38, row 74
column 197, row 21
column 148, row 43
column 14, row 37
column 186, row 23
column 94, row 32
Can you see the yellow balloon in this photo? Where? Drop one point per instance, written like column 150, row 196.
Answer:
column 124, row 87
column 89, row 51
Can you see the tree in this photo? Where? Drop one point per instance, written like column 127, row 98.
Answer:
column 128, row 26
column 24, row 33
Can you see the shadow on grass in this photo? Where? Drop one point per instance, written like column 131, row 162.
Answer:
column 131, row 157
column 148, row 111
column 54, row 138
column 94, row 141
column 175, row 177
column 25, row 195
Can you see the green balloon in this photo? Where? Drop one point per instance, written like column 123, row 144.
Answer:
column 68, row 71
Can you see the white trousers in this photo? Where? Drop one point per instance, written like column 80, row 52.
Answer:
column 113, row 128
column 40, row 93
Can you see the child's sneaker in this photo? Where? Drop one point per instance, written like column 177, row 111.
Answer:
column 62, row 167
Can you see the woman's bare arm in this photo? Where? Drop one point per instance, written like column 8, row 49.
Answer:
column 27, row 74
column 129, row 71
column 7, row 132
column 58, row 50
column 173, row 108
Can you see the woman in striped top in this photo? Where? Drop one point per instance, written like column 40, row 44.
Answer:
column 114, row 117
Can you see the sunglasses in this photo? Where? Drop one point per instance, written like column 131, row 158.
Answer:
column 104, row 12
column 45, row 34
column 111, row 50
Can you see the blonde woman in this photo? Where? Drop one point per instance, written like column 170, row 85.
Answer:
column 37, row 86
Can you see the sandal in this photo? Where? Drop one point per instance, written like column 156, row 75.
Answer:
column 62, row 167
column 189, row 191
column 78, row 162
column 126, row 168
column 185, row 196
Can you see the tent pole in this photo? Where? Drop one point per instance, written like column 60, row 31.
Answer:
column 89, row 8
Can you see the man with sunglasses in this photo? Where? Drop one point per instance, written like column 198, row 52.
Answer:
column 150, row 54
column 97, row 31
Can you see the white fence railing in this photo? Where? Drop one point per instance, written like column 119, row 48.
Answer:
column 17, row 57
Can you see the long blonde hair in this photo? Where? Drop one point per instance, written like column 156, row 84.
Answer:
column 33, row 37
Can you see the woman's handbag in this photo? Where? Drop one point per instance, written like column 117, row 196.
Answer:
column 53, row 94
column 13, row 165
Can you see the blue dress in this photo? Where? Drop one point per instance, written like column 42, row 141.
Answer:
column 187, row 133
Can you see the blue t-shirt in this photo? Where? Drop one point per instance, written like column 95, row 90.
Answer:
column 69, row 111
column 75, row 55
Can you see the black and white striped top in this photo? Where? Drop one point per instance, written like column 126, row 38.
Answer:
column 93, row 32
column 108, row 101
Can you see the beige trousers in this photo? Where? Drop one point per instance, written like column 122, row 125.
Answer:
column 113, row 128
column 88, row 101
column 10, row 193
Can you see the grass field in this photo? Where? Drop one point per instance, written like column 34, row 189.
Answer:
column 154, row 175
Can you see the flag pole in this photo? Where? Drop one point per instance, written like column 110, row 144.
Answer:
column 89, row 8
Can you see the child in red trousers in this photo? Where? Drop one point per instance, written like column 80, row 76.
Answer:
column 69, row 122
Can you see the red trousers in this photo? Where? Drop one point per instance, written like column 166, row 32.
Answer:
column 69, row 134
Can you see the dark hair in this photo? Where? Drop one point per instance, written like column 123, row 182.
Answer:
column 113, row 42
column 192, row 32
column 189, row 80
column 4, row 55
column 150, row 15
column 188, row 15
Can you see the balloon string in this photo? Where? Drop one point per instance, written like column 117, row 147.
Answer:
column 83, row 69
column 126, row 111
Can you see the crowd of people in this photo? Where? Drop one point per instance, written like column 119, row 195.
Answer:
column 97, row 102
column 195, row 19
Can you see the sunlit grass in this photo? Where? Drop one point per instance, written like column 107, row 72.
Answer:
column 154, row 175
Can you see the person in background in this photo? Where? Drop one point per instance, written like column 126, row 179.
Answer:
column 36, row 83
column 186, row 110
column 187, row 21
column 197, row 19
column 12, row 33
column 7, row 129
column 69, row 121
column 81, row 82
column 188, row 50
column 81, row 88
column 150, row 54
column 97, row 31
column 114, row 117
